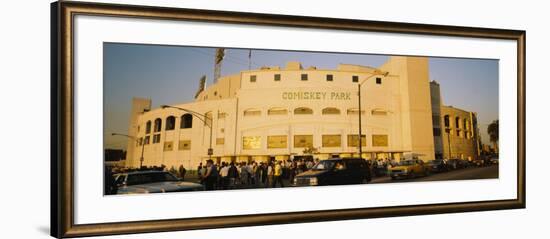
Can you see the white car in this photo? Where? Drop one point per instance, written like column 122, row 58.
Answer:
column 152, row 182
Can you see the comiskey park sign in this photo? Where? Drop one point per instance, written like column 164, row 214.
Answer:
column 316, row 95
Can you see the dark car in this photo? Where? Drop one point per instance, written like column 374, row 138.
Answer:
column 437, row 166
column 336, row 171
column 478, row 162
column 378, row 168
column 152, row 182
column 464, row 163
column 457, row 163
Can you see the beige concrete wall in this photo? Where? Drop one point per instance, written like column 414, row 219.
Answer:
column 198, row 135
column 139, row 105
column 417, row 129
column 462, row 141
column 226, row 87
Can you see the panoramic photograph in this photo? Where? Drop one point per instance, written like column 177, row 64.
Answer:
column 190, row 118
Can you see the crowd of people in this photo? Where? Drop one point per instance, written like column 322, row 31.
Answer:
column 236, row 175
column 232, row 175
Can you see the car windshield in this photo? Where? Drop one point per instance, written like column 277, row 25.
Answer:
column 144, row 178
column 406, row 162
column 324, row 165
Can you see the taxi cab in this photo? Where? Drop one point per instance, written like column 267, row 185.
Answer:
column 410, row 168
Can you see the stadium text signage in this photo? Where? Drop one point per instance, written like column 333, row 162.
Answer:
column 316, row 95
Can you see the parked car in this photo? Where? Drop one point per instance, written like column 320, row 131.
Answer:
column 378, row 168
column 152, row 182
column 335, row 171
column 408, row 169
column 464, row 163
column 437, row 165
column 457, row 163
column 478, row 162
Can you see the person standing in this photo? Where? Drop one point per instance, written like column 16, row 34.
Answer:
column 199, row 171
column 182, row 172
column 211, row 175
column 269, row 179
column 254, row 173
column 263, row 173
column 110, row 183
column 278, row 174
column 292, row 171
column 232, row 175
column 244, row 174
column 224, row 179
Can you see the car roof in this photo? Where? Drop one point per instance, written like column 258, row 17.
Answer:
column 143, row 172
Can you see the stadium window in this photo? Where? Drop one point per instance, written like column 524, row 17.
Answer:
column 186, row 121
column 252, row 112
column 184, row 145
column 148, row 127
column 355, row 79
column 379, row 112
column 277, row 111
column 355, row 111
column 378, row 80
column 330, row 77
column 158, row 125
column 277, row 77
column 170, row 123
column 156, row 138
column 303, row 111
column 304, row 77
column 253, row 78
column 147, row 139
column 331, row 111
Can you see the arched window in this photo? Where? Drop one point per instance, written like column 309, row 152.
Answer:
column 252, row 112
column 158, row 125
column 303, row 111
column 277, row 111
column 170, row 123
column 148, row 127
column 447, row 121
column 331, row 111
column 186, row 121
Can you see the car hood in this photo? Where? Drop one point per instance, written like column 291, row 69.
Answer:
column 312, row 173
column 399, row 167
column 161, row 187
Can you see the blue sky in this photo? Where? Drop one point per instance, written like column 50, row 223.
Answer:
column 170, row 75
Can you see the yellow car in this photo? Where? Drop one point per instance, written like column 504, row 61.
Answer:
column 408, row 169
